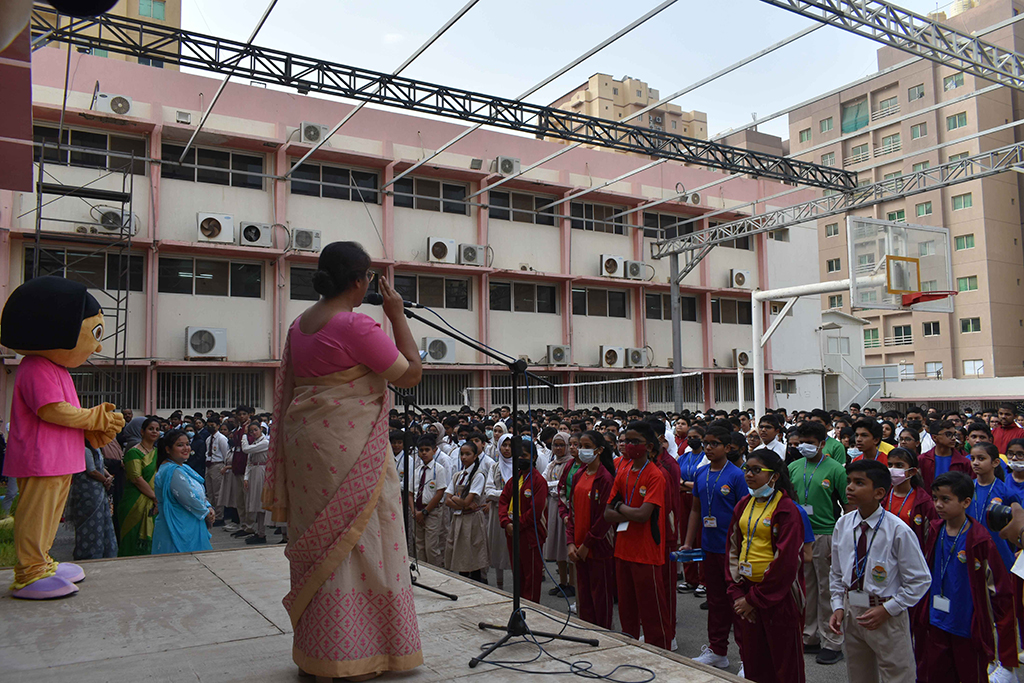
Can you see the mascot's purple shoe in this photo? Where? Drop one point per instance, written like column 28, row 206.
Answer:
column 70, row 572
column 46, row 589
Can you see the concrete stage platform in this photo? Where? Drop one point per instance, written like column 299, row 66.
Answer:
column 217, row 616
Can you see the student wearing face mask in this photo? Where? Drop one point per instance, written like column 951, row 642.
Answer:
column 765, row 556
column 689, row 462
column 532, row 490
column 820, row 485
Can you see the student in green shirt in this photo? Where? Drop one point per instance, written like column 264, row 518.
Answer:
column 833, row 448
column 820, row 484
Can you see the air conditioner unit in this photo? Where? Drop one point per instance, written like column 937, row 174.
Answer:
column 740, row 279
column 215, row 227
column 206, row 342
column 112, row 220
column 439, row 349
column 741, row 358
column 636, row 358
column 612, row 266
column 312, row 133
column 695, row 198
column 472, row 254
column 440, row 250
column 113, row 104
column 613, row 357
column 184, row 117
column 256, row 235
column 635, row 270
column 657, row 119
column 304, row 239
column 558, row 354
column 507, row 166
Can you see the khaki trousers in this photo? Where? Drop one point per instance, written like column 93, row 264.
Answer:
column 213, row 484
column 40, row 506
column 430, row 539
column 819, row 598
column 883, row 655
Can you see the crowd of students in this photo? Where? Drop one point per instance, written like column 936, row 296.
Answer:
column 818, row 532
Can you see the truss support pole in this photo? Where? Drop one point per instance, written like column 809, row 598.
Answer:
column 739, row 387
column 677, row 335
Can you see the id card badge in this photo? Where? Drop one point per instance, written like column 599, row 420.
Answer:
column 940, row 603
column 746, row 569
column 710, row 522
column 809, row 509
column 1018, row 566
column 622, row 526
column 859, row 599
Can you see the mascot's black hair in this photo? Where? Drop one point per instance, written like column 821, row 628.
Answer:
column 46, row 313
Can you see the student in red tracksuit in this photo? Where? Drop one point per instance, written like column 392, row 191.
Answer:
column 673, row 512
column 765, row 576
column 970, row 594
column 586, row 530
column 637, row 509
column 533, row 519
column 945, row 457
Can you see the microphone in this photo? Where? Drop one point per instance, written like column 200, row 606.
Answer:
column 376, row 299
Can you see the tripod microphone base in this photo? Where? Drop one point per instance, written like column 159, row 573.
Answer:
column 417, row 584
column 517, row 628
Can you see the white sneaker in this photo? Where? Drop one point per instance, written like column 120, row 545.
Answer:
column 708, row 657
column 1001, row 675
column 572, row 608
column 674, row 645
column 230, row 527
column 739, row 674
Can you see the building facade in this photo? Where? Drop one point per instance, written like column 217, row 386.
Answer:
column 911, row 116
column 540, row 281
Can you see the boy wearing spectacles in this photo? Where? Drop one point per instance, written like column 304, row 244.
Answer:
column 945, row 457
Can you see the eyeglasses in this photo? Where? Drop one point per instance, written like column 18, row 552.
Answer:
column 753, row 469
column 711, row 444
column 948, row 435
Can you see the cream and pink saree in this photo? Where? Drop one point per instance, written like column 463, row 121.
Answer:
column 331, row 476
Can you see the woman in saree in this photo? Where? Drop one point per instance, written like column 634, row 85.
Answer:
column 89, row 510
column 185, row 516
column 331, row 477
column 137, row 508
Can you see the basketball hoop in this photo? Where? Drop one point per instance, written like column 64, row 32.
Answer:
column 920, row 297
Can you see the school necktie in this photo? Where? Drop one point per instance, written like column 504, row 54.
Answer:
column 419, row 492
column 862, row 550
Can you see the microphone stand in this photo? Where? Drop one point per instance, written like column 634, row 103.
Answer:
column 407, row 444
column 516, row 626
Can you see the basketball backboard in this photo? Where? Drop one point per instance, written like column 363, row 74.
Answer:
column 893, row 264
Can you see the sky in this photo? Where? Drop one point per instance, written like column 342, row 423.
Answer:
column 504, row 48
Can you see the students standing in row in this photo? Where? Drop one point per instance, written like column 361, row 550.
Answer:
column 945, row 456
column 532, row 490
column 428, row 482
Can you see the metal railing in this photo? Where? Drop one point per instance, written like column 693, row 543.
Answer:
column 885, row 111
column 856, row 158
column 889, row 148
column 900, row 340
column 875, row 343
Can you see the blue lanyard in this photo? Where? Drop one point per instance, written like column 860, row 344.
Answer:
column 629, row 501
column 707, row 483
column 983, row 508
column 949, row 556
column 813, row 472
column 861, row 563
column 903, row 504
column 750, row 536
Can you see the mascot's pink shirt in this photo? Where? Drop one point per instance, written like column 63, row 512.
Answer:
column 36, row 448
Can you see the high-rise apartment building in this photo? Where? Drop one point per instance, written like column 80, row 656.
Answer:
column 604, row 97
column 915, row 114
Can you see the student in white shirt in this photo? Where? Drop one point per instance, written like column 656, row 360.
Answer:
column 466, row 551
column 428, row 483
column 768, row 428
column 218, row 450
column 892, row 576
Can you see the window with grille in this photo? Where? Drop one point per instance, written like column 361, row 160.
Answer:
column 435, row 292
column 597, row 218
column 725, row 388
column 539, row 395
column 428, row 194
column 208, row 390
column 100, row 385
column 441, row 390
column 604, row 394
column 871, row 339
column 91, row 149
column 521, row 208
column 660, row 391
column 96, row 270
column 214, row 166
column 335, row 182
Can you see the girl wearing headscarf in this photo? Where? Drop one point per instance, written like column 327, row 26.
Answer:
column 555, row 548
column 501, row 472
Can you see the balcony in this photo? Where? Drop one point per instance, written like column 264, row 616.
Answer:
column 872, row 343
column 888, row 148
column 885, row 111
column 856, row 158
column 900, row 340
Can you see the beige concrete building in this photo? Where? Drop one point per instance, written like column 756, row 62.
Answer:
column 604, row 97
column 165, row 12
column 910, row 118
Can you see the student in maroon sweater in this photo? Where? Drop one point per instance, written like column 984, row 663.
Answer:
column 533, row 519
column 945, row 457
column 586, row 530
column 1007, row 430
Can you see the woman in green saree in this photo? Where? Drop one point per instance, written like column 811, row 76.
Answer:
column 138, row 502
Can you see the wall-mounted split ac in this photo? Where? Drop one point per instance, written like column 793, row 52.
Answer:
column 112, row 219
column 113, row 104
column 559, row 354
column 636, row 358
column 215, row 227
column 507, row 166
column 440, row 250
column 740, row 279
column 635, row 270
column 473, row 254
column 312, row 133
column 206, row 342
column 256, row 235
column 612, row 266
column 741, row 358
column 613, row 357
column 304, row 239
column 439, row 350
column 695, row 198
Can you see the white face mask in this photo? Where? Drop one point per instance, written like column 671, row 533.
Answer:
column 853, row 452
column 587, row 455
column 1016, row 466
column 898, row 475
column 807, row 450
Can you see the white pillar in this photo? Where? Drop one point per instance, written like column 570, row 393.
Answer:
column 756, row 330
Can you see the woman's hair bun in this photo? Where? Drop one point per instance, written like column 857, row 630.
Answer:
column 324, row 284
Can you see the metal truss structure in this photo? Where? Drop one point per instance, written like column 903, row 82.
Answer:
column 916, row 34
column 696, row 245
column 306, row 74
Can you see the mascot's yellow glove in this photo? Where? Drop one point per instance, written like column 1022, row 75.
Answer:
column 101, row 424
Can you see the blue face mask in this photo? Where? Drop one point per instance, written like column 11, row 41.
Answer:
column 190, row 434
column 490, row 433
column 765, row 491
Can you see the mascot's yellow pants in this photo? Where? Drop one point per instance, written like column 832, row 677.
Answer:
column 40, row 506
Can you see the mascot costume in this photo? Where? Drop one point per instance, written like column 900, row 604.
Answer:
column 56, row 324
